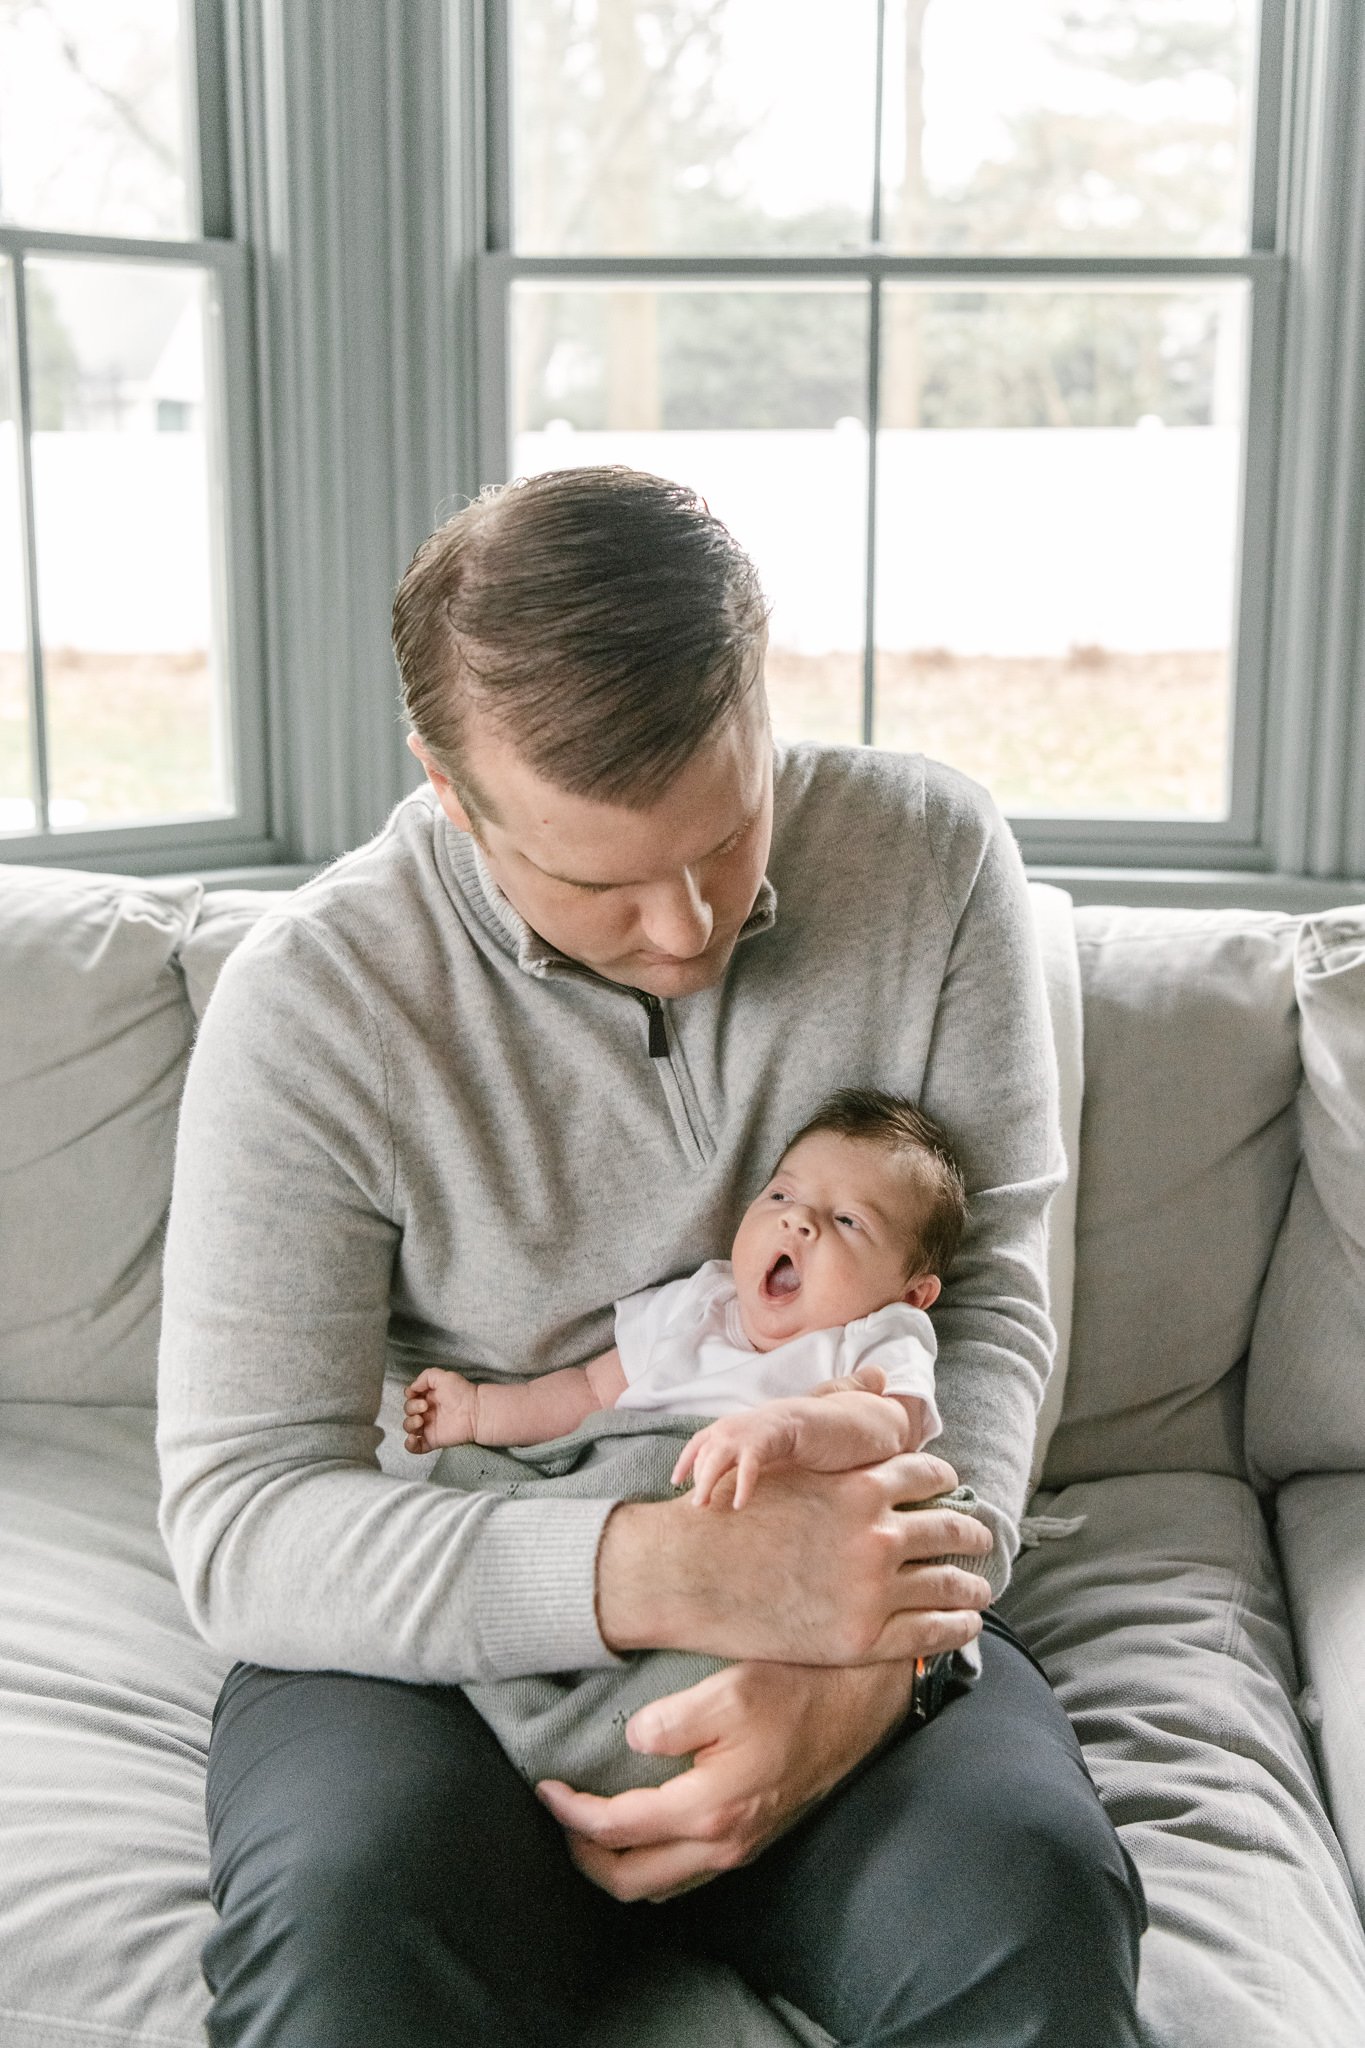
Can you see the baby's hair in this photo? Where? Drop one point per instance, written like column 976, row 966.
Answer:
column 900, row 1125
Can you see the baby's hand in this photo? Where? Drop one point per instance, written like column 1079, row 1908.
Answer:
column 742, row 1444
column 439, row 1408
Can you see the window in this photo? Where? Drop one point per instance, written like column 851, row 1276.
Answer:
column 965, row 315
column 1046, row 437
column 130, row 671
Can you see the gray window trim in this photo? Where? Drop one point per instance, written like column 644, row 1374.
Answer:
column 345, row 189
column 1315, row 781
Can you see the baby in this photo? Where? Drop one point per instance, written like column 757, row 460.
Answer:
column 810, row 1345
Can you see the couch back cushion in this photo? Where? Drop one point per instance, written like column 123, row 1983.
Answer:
column 225, row 917
column 1188, row 1148
column 1306, row 1378
column 94, row 1033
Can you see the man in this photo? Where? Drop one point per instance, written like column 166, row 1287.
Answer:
column 531, row 1049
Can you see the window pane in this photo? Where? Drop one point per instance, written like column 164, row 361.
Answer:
column 643, row 127
column 1056, row 546
column 1069, row 126
column 757, row 399
column 17, row 812
column 126, row 549
column 92, row 116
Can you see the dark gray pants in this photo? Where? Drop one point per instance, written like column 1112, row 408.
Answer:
column 384, row 1879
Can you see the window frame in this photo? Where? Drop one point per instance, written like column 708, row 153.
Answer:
column 243, row 836
column 1237, row 841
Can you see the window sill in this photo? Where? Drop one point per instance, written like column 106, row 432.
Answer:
column 1200, row 889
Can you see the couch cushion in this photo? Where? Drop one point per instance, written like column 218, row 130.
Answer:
column 1188, row 1146
column 94, row 1030
column 105, row 1701
column 1305, row 1409
column 1320, row 1523
column 1163, row 1627
column 225, row 917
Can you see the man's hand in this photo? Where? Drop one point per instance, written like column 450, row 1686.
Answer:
column 770, row 1741
column 820, row 1568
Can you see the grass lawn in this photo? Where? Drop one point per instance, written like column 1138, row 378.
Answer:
column 131, row 736
column 1090, row 733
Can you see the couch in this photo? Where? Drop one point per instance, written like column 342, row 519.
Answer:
column 1203, row 1622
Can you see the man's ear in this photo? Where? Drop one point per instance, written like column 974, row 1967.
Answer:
column 923, row 1292
column 443, row 786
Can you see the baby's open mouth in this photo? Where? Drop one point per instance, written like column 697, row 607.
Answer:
column 781, row 1279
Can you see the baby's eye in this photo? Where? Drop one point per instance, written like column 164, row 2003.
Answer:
column 776, row 1195
column 851, row 1221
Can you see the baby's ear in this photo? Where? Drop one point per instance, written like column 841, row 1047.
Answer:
column 924, row 1291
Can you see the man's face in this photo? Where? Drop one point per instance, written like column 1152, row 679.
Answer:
column 653, row 899
column 825, row 1241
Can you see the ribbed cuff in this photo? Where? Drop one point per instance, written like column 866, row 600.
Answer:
column 535, row 1604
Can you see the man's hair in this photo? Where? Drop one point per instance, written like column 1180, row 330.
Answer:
column 603, row 620
column 901, row 1126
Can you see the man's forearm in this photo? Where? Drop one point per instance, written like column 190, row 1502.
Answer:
column 818, row 1569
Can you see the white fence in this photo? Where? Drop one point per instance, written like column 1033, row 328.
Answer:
column 1003, row 541
column 993, row 542
column 123, row 542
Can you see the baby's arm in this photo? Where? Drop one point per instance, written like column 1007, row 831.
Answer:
column 443, row 1407
column 844, row 1423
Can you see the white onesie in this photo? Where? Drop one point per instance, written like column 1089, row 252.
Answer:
column 684, row 1352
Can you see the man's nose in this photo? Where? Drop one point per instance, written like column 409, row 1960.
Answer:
column 677, row 919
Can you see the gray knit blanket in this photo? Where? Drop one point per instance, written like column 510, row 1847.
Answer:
column 571, row 1724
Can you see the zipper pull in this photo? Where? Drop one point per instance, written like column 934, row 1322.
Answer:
column 658, row 1034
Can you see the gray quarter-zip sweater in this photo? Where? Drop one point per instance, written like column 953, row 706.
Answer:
column 413, row 1133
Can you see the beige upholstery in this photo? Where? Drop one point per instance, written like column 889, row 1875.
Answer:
column 1163, row 1626
column 1320, row 1523
column 1306, row 1384
column 1188, row 1144
column 94, row 1030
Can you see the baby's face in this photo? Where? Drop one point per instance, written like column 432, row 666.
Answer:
column 826, row 1240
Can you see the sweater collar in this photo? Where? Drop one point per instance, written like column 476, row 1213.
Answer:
column 509, row 928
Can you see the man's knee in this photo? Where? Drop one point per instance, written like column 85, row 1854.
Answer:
column 313, row 1901
column 338, row 1936
column 1088, row 1911
column 1050, row 1956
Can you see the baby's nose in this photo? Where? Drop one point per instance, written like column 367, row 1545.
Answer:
column 799, row 1220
